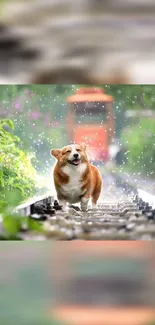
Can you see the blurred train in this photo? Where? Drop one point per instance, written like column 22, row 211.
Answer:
column 104, row 284
column 91, row 120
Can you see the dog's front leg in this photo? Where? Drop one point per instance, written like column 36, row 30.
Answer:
column 62, row 203
column 84, row 202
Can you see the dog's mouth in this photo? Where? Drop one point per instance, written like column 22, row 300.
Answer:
column 74, row 162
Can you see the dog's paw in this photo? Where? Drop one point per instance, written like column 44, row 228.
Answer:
column 94, row 206
column 84, row 208
column 64, row 208
column 63, row 205
column 84, row 204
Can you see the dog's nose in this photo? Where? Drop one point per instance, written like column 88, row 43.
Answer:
column 76, row 155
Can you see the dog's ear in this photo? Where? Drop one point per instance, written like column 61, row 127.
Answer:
column 83, row 146
column 55, row 153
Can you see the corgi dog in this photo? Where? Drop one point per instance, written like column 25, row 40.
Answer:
column 75, row 179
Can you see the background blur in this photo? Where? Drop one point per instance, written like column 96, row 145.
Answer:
column 84, row 41
column 24, row 281
column 37, row 279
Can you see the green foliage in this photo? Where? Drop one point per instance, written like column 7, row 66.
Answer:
column 140, row 141
column 16, row 170
column 11, row 224
column 133, row 96
column 17, row 180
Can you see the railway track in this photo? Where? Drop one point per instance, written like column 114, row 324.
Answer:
column 124, row 213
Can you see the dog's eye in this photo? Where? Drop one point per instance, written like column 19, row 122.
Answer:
column 78, row 150
column 68, row 151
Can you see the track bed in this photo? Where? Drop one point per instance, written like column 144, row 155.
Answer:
column 122, row 214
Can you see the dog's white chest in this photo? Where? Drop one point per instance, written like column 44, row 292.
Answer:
column 72, row 190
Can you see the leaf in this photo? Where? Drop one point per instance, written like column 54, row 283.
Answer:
column 7, row 122
column 11, row 224
column 3, row 206
column 34, row 225
column 14, row 197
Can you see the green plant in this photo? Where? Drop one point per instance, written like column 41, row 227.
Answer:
column 16, row 170
column 17, row 180
column 140, row 141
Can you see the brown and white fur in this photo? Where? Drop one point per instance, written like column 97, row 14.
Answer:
column 75, row 179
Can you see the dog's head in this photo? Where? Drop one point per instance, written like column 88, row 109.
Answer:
column 73, row 155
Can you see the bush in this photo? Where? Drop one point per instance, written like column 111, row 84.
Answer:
column 17, row 175
column 140, row 140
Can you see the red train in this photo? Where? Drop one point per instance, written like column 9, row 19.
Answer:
column 91, row 120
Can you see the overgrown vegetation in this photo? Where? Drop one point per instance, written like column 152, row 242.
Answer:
column 17, row 179
column 16, row 170
column 140, row 143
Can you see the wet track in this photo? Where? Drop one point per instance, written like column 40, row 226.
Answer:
column 121, row 215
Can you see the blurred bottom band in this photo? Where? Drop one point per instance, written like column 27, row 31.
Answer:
column 77, row 283
column 103, row 316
